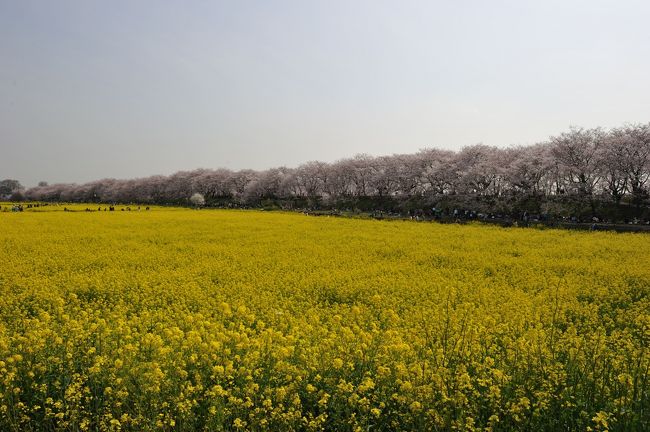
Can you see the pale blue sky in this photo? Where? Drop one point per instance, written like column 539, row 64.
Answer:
column 122, row 89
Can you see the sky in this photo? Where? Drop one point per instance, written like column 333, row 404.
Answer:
column 123, row 89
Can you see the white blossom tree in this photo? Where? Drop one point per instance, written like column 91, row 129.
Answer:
column 197, row 200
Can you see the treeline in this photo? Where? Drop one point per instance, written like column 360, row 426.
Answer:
column 582, row 173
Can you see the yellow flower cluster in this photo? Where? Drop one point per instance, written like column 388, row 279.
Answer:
column 234, row 320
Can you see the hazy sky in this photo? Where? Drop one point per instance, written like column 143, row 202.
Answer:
column 123, row 89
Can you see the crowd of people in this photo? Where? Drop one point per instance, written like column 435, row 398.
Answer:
column 13, row 208
column 22, row 207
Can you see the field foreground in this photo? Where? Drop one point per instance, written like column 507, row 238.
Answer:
column 230, row 320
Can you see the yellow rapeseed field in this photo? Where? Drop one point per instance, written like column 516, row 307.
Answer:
column 176, row 319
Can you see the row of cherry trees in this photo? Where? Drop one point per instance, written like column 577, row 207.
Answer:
column 584, row 165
